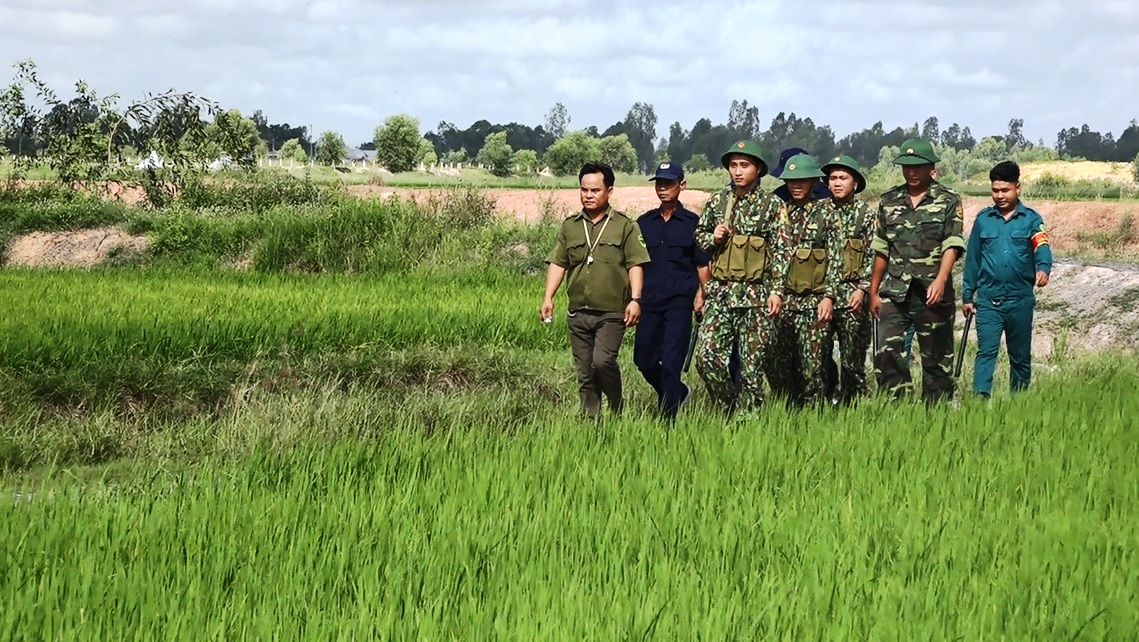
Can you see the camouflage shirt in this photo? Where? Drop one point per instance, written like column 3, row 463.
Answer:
column 756, row 214
column 856, row 221
column 809, row 227
column 912, row 240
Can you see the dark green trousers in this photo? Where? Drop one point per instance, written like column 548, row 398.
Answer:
column 1013, row 318
column 934, row 331
column 595, row 339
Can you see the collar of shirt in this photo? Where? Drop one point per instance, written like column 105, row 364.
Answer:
column 582, row 216
column 679, row 213
column 1020, row 210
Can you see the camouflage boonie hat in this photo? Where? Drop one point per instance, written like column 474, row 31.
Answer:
column 801, row 166
column 747, row 148
column 916, row 151
column 848, row 163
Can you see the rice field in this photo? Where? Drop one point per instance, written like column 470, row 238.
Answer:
column 193, row 454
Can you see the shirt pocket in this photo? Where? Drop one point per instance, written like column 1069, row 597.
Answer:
column 989, row 239
column 577, row 252
column 609, row 251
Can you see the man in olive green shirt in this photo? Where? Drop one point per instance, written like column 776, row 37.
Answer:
column 599, row 252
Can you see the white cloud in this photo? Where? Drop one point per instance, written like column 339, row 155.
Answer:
column 348, row 64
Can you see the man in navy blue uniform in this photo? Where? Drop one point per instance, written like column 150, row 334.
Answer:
column 673, row 290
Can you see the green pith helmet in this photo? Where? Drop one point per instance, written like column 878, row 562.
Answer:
column 801, row 166
column 916, row 151
column 848, row 163
column 747, row 148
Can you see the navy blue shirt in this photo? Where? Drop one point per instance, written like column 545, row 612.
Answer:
column 671, row 279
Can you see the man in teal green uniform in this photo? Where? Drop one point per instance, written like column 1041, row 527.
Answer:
column 1008, row 254
column 599, row 252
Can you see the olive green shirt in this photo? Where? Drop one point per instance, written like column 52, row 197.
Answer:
column 603, row 283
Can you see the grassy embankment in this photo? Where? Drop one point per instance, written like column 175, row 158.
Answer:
column 368, row 433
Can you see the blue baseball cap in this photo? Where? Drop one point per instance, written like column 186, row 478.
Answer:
column 784, row 156
column 669, row 171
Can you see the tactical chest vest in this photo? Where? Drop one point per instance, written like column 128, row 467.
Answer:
column 744, row 257
column 808, row 273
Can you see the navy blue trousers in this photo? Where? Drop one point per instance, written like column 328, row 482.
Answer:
column 659, row 349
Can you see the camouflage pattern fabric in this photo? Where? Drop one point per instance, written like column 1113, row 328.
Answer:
column 853, row 332
column 725, row 327
column 913, row 240
column 855, row 220
column 756, row 214
column 934, row 327
column 809, row 226
column 798, row 352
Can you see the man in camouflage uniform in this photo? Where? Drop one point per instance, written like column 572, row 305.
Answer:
column 803, row 328
column 919, row 236
column 856, row 225
column 743, row 229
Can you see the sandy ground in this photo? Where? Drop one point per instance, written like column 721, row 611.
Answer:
column 80, row 248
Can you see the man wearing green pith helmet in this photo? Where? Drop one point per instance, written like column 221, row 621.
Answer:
column 744, row 230
column 855, row 221
column 919, row 236
column 803, row 328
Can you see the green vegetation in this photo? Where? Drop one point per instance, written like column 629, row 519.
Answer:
column 308, row 416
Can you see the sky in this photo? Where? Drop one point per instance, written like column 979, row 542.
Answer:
column 346, row 65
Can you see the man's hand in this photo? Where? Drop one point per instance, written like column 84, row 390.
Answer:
column 1041, row 279
column 721, row 233
column 825, row 311
column 968, row 309
column 875, row 305
column 547, row 309
column 699, row 303
column 632, row 314
column 774, row 305
column 856, row 301
column 935, row 291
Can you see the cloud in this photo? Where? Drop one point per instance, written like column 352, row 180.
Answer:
column 348, row 64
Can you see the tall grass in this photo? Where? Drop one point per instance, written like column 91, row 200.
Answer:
column 1006, row 521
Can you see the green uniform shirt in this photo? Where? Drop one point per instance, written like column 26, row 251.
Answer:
column 856, row 223
column 810, row 227
column 756, row 214
column 615, row 244
column 913, row 239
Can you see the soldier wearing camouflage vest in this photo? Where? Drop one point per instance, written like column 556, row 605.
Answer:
column 920, row 234
column 743, row 229
column 856, row 225
column 803, row 328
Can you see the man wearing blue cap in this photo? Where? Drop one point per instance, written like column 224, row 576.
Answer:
column 673, row 288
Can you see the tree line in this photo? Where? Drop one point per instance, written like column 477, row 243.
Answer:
column 631, row 144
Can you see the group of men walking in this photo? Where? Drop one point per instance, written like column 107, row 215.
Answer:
column 770, row 281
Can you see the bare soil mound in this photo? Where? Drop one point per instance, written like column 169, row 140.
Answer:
column 78, row 248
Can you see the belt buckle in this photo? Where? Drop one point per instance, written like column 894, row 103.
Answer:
column 997, row 302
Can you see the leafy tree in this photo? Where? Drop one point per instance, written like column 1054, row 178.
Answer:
column 83, row 139
column 397, row 143
column 743, row 121
column 496, row 154
column 930, row 130
column 456, row 157
column 425, row 149
column 276, row 135
column 1128, row 144
column 640, row 126
column 233, row 135
column 698, row 163
column 557, row 119
column 618, row 153
column 293, row 150
column 525, row 161
column 331, row 148
column 992, row 149
column 430, row 158
column 566, row 156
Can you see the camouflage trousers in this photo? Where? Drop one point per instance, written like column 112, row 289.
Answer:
column 797, row 356
column 852, row 330
column 723, row 331
column 934, row 331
